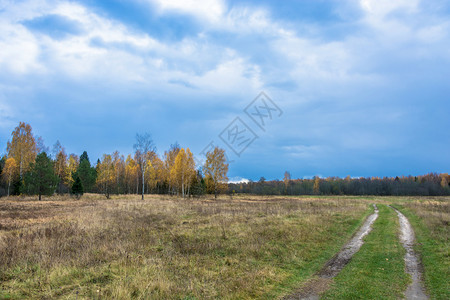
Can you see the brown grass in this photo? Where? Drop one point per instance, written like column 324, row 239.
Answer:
column 167, row 248
column 435, row 213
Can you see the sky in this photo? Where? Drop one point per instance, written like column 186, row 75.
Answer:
column 326, row 88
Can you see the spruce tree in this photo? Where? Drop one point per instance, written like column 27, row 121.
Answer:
column 77, row 187
column 87, row 174
column 41, row 178
column 84, row 156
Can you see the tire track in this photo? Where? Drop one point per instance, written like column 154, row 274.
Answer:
column 416, row 289
column 318, row 285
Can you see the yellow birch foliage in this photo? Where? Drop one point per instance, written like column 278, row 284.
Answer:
column 169, row 162
column 10, row 172
column 22, row 147
column 131, row 173
column 316, row 187
column 183, row 171
column 61, row 167
column 216, row 170
column 72, row 168
column 119, row 169
column 106, row 174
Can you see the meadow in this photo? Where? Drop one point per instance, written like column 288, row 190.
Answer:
column 244, row 247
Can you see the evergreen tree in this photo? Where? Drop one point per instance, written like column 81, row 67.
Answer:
column 77, row 187
column 17, row 186
column 87, row 174
column 198, row 185
column 2, row 164
column 84, row 156
column 41, row 178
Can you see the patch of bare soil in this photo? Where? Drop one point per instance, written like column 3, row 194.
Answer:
column 416, row 289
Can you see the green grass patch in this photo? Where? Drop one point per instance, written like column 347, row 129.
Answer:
column 340, row 234
column 377, row 270
column 432, row 244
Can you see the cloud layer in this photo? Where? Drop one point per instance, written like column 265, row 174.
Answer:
column 364, row 87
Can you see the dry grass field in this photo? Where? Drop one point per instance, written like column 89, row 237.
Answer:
column 168, row 248
column 164, row 247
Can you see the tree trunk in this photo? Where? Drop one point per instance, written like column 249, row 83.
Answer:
column 143, row 183
column 137, row 185
column 39, row 196
column 20, row 167
column 9, row 184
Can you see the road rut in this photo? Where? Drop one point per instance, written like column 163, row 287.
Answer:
column 416, row 289
column 337, row 263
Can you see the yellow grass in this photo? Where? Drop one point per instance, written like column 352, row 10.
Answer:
column 168, row 248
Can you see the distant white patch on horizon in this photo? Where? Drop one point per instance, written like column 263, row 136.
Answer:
column 237, row 180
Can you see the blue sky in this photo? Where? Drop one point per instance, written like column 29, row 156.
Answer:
column 363, row 86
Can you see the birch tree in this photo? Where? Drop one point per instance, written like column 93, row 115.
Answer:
column 144, row 146
column 10, row 172
column 61, row 169
column 215, row 170
column 131, row 174
column 72, row 169
column 22, row 147
column 169, row 162
column 183, row 171
column 106, row 175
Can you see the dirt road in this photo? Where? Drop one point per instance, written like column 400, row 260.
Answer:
column 323, row 278
column 416, row 289
column 337, row 263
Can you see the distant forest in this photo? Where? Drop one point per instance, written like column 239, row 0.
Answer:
column 28, row 168
column 427, row 185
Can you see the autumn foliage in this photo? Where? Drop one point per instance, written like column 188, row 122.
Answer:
column 28, row 169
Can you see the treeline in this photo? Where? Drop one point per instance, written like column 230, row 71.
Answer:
column 427, row 185
column 29, row 169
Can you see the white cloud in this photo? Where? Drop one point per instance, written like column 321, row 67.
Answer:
column 19, row 49
column 434, row 33
column 109, row 50
column 246, row 20
column 209, row 10
column 234, row 75
column 24, row 51
column 381, row 8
